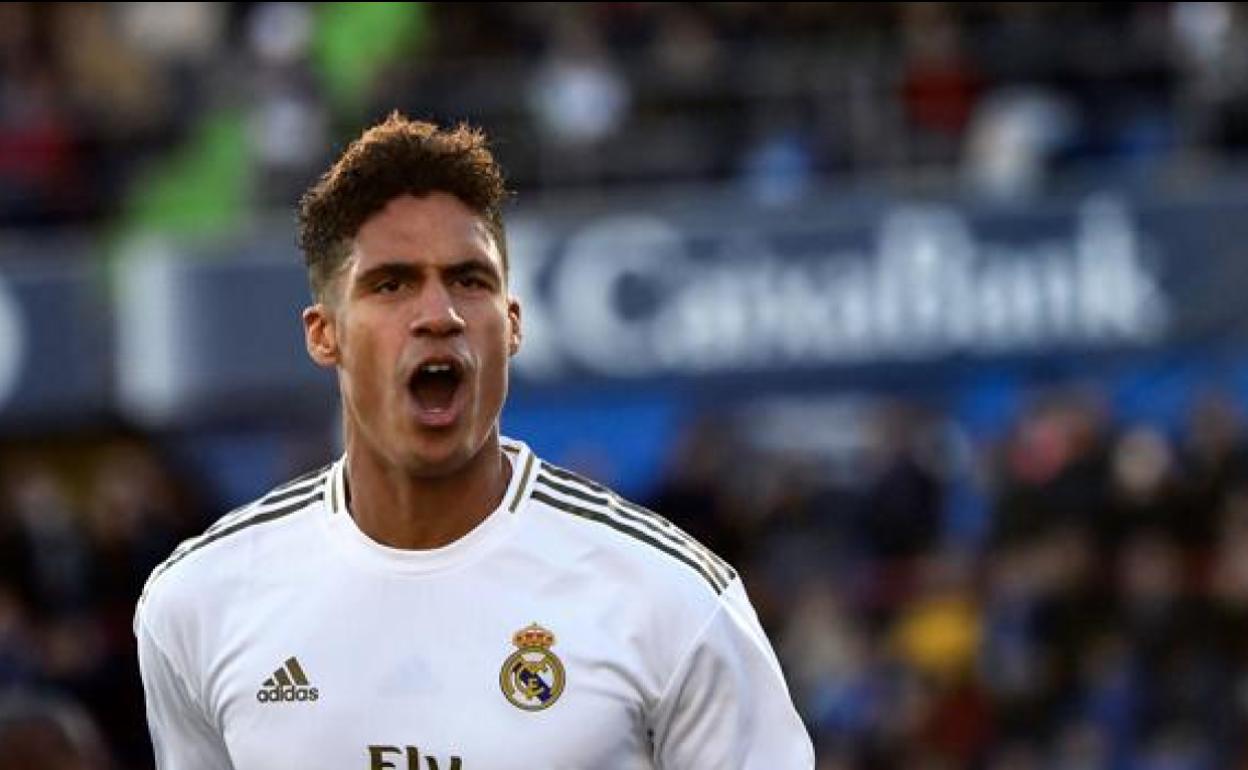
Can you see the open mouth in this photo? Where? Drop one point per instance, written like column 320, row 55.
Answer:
column 433, row 386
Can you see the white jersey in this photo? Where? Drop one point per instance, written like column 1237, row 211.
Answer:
column 570, row 629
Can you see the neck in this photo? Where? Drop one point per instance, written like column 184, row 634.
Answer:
column 401, row 509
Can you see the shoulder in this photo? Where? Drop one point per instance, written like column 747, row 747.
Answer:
column 210, row 555
column 645, row 544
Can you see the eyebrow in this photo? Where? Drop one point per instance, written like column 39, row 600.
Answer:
column 468, row 266
column 471, row 266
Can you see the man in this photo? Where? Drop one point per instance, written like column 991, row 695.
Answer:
column 440, row 597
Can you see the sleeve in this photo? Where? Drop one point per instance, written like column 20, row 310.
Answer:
column 183, row 737
column 727, row 705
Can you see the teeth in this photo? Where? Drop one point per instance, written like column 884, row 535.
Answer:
column 435, row 368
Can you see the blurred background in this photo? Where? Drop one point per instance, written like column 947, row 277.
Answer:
column 928, row 317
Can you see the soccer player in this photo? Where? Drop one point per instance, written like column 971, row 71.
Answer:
column 440, row 598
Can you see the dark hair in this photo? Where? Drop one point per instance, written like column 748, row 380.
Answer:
column 396, row 157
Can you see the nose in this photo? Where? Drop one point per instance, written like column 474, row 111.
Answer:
column 435, row 314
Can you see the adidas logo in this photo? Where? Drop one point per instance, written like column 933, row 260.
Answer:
column 288, row 683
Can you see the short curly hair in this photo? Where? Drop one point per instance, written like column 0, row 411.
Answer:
column 396, row 157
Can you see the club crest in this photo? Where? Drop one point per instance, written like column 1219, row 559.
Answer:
column 532, row 677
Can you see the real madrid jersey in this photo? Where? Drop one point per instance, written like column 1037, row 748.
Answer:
column 570, row 629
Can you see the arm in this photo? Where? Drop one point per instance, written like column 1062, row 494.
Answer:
column 726, row 705
column 183, row 737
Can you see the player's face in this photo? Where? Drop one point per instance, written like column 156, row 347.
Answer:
column 420, row 332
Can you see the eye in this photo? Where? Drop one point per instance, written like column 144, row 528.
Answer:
column 386, row 286
column 472, row 282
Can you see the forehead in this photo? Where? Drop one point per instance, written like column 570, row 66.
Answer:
column 437, row 228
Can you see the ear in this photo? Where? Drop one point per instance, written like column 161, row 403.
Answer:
column 513, row 322
column 320, row 335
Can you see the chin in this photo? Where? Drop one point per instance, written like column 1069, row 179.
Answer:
column 438, row 457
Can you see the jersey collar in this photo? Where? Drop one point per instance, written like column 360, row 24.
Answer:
column 338, row 494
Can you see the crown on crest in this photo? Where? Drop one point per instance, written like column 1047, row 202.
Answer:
column 533, row 636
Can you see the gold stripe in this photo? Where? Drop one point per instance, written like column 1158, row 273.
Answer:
column 208, row 539
column 632, row 511
column 612, row 508
column 334, row 484
column 524, row 480
column 619, row 526
column 250, row 509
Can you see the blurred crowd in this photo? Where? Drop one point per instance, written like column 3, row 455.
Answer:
column 1072, row 594
column 80, row 530
column 155, row 111
column 1067, row 593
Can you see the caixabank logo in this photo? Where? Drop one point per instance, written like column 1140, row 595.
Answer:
column 289, row 684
